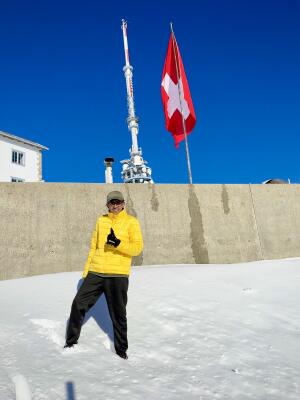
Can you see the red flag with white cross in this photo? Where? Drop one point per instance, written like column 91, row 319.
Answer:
column 176, row 96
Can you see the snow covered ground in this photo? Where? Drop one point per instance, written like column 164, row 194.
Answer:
column 195, row 332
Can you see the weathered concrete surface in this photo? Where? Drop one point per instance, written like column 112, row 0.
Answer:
column 277, row 209
column 228, row 221
column 46, row 227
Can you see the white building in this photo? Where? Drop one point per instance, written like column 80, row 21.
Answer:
column 20, row 159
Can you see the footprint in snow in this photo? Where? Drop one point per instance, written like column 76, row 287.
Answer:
column 108, row 345
column 50, row 330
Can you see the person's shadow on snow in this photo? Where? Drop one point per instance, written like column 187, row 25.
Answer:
column 100, row 314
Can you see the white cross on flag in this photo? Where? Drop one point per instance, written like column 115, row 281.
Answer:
column 172, row 77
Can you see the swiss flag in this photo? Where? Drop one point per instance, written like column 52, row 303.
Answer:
column 170, row 94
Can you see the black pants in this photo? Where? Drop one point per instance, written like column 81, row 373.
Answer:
column 115, row 291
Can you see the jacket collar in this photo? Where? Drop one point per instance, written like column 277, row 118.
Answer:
column 119, row 216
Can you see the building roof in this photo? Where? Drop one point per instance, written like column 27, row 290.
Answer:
column 19, row 139
column 275, row 181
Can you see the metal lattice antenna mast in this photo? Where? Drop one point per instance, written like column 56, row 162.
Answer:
column 135, row 169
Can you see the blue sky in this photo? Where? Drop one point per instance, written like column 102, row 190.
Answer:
column 62, row 85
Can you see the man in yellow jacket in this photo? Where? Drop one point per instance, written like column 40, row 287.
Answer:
column 116, row 238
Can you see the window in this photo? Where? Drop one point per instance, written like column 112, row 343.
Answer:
column 17, row 157
column 14, row 179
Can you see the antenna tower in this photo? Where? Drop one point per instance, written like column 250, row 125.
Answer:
column 134, row 170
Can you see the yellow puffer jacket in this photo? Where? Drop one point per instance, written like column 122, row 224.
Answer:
column 107, row 259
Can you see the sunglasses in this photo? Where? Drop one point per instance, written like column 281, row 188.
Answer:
column 115, row 202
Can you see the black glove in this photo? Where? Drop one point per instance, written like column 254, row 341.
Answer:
column 112, row 240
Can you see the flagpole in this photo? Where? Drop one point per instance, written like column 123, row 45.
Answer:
column 178, row 74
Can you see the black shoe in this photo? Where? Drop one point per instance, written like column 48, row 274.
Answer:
column 122, row 354
column 68, row 345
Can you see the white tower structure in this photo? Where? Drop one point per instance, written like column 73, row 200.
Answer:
column 134, row 170
column 108, row 162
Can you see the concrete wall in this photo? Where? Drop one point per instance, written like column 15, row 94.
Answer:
column 46, row 227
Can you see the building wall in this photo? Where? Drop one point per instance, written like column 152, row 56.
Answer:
column 47, row 227
column 29, row 172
